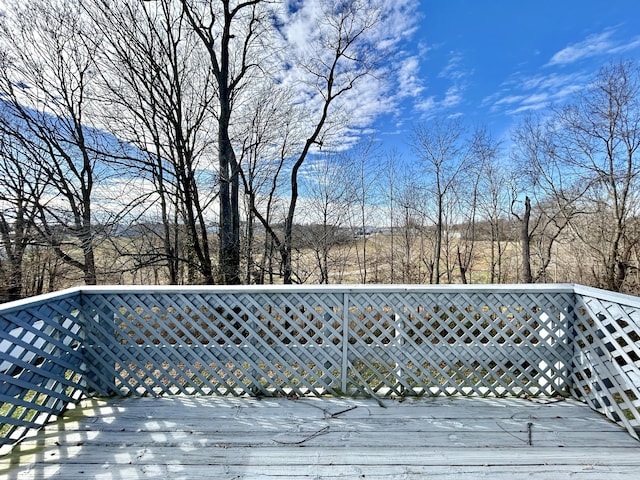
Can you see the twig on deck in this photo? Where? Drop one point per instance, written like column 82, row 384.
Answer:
column 334, row 415
column 528, row 441
column 313, row 435
column 328, row 414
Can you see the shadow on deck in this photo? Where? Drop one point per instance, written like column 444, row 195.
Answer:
column 320, row 438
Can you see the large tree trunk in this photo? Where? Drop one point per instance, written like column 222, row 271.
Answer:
column 217, row 40
column 229, row 233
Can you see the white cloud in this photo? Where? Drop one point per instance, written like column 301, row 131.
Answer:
column 431, row 105
column 452, row 97
column 632, row 45
column 427, row 104
column 509, row 100
column 305, row 30
column 548, row 81
column 594, row 45
column 591, row 46
column 456, row 73
column 455, row 69
column 410, row 83
column 523, row 93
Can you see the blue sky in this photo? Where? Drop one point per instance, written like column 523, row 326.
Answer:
column 492, row 61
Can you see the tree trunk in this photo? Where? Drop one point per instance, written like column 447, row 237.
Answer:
column 437, row 251
column 526, row 242
column 462, row 266
column 229, row 232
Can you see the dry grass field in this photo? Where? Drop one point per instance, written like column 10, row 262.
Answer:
column 375, row 258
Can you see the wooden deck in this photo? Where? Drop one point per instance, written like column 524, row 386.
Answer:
column 317, row 438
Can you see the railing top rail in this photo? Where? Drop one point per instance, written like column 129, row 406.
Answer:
column 36, row 300
column 337, row 288
column 607, row 295
column 334, row 288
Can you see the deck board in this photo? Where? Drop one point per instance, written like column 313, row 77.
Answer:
column 313, row 438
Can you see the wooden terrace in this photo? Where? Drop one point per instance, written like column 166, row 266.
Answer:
column 501, row 382
column 311, row 438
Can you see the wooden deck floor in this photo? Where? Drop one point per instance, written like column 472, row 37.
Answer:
column 240, row 438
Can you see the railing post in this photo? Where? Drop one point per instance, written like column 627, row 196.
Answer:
column 398, row 328
column 254, row 329
column 572, row 325
column 327, row 327
column 345, row 340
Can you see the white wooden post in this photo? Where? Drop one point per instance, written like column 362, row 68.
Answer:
column 399, row 327
column 345, row 340
column 327, row 330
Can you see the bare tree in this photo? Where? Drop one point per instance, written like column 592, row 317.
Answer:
column 445, row 155
column 416, row 237
column 328, row 204
column 22, row 185
column 495, row 198
column 555, row 192
column 365, row 173
column 329, row 66
column 158, row 97
column 343, row 55
column 269, row 134
column 598, row 146
column 235, row 35
column 484, row 150
column 525, row 236
column 46, row 72
column 391, row 177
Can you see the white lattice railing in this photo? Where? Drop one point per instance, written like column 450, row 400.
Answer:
column 606, row 366
column 310, row 340
column 392, row 341
column 41, row 362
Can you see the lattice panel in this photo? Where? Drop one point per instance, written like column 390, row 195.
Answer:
column 215, row 343
column 399, row 343
column 40, row 364
column 408, row 343
column 606, row 371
